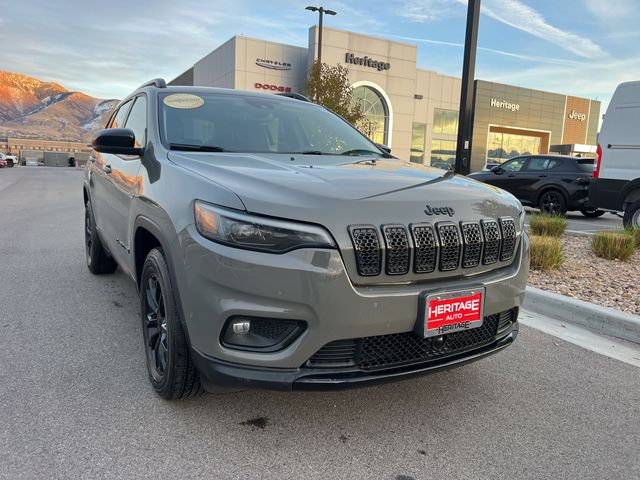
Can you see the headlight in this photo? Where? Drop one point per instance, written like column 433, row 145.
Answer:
column 523, row 217
column 257, row 233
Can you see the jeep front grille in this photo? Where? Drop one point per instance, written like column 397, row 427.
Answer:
column 397, row 243
column 423, row 248
column 367, row 249
column 508, row 227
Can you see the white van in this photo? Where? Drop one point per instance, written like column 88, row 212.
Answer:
column 616, row 177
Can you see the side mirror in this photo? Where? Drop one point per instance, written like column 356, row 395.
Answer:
column 383, row 147
column 498, row 170
column 118, row 141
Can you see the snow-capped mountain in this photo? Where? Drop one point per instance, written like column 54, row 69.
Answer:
column 31, row 108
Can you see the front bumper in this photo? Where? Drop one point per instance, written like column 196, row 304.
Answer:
column 216, row 282
column 218, row 375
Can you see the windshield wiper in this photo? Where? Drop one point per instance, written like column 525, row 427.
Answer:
column 196, row 148
column 360, row 151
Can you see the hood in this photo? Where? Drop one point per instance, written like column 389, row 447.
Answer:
column 320, row 189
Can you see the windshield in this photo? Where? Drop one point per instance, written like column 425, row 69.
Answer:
column 249, row 124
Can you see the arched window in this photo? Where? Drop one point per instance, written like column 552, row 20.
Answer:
column 376, row 114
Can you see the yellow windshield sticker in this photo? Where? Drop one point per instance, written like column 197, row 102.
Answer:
column 183, row 100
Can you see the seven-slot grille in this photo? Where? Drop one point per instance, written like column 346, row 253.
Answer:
column 445, row 246
column 398, row 349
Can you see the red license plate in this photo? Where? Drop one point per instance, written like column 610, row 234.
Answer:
column 450, row 312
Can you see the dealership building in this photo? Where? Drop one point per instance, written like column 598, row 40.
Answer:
column 412, row 110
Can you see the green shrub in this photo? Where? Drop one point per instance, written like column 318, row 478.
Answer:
column 613, row 245
column 635, row 233
column 547, row 225
column 546, row 252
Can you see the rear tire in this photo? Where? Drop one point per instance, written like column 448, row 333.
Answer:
column 171, row 370
column 98, row 260
column 631, row 218
column 552, row 202
column 592, row 212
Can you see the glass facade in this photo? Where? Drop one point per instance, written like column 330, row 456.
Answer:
column 502, row 146
column 445, row 121
column 443, row 154
column 418, row 134
column 375, row 124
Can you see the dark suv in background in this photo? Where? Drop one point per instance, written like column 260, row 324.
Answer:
column 553, row 183
column 275, row 246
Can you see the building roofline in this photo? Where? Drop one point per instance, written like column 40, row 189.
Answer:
column 406, row 44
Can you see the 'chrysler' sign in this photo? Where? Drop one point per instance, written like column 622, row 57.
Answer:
column 273, row 64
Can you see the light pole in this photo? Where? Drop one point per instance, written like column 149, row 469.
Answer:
column 321, row 11
column 465, row 118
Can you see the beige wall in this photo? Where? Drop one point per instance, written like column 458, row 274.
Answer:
column 397, row 84
column 248, row 73
column 218, row 68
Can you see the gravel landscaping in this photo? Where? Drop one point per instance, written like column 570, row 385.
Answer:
column 610, row 283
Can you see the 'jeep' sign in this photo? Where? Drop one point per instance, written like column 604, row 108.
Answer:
column 581, row 117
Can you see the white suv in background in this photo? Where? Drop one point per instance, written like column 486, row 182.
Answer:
column 616, row 177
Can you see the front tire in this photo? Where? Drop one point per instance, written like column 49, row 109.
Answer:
column 631, row 218
column 171, row 370
column 98, row 260
column 552, row 202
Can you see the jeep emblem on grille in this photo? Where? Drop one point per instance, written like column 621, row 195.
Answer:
column 439, row 210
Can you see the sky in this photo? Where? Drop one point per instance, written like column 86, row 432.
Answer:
column 106, row 49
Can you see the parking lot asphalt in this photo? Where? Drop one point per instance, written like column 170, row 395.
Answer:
column 75, row 401
column 578, row 223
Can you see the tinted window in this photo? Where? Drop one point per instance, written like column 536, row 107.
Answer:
column 514, row 165
column 537, row 164
column 269, row 124
column 137, row 121
column 586, row 164
column 555, row 163
column 118, row 120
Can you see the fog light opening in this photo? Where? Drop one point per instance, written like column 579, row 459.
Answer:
column 241, row 326
column 260, row 334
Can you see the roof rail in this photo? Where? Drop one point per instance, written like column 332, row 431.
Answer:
column 297, row 96
column 156, row 82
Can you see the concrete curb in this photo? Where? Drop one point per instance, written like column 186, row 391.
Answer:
column 589, row 315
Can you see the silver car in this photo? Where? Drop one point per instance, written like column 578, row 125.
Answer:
column 275, row 246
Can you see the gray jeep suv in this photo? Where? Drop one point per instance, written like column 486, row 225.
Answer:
column 275, row 246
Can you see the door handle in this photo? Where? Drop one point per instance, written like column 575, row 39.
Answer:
column 542, row 176
column 107, row 168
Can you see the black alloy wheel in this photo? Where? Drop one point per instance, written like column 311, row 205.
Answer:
column 155, row 333
column 553, row 203
column 171, row 370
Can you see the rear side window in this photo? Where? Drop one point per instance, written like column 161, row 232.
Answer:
column 554, row 163
column 537, row 164
column 118, row 119
column 137, row 121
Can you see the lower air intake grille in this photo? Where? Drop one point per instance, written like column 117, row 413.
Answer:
column 367, row 249
column 385, row 351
